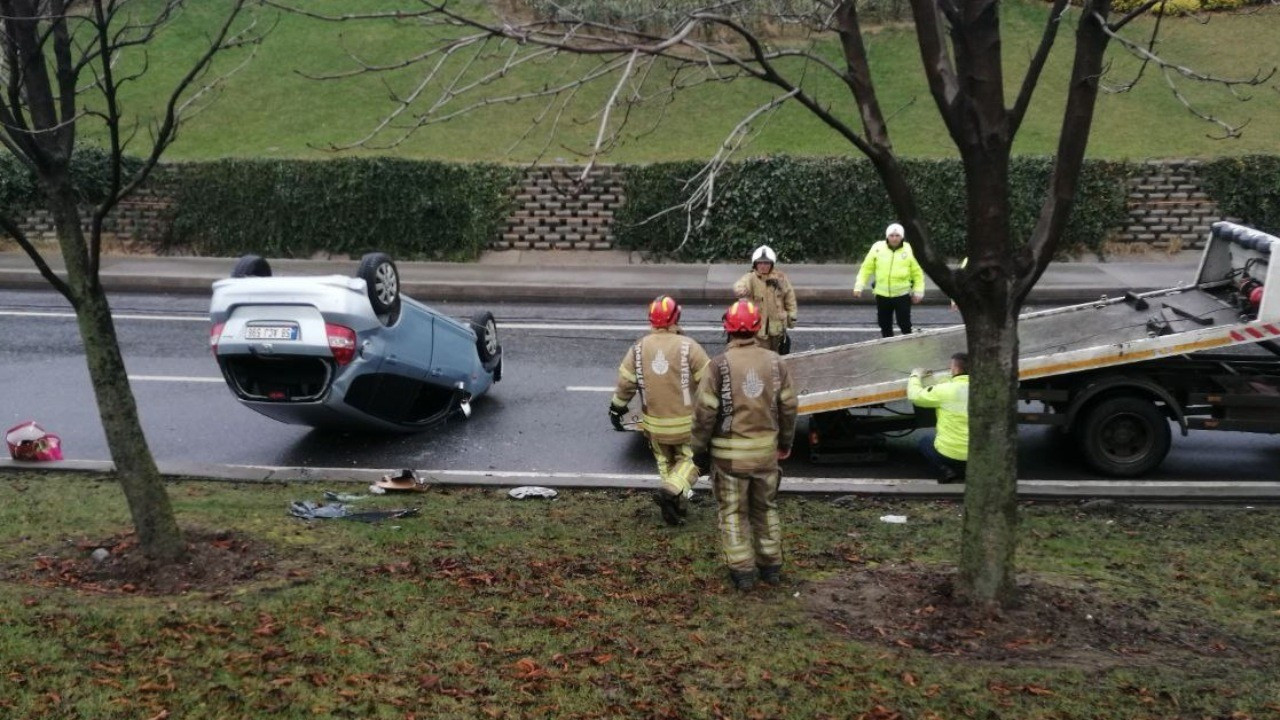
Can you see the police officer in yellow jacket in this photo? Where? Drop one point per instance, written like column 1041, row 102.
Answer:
column 665, row 368
column 948, row 452
column 899, row 280
column 771, row 291
column 746, row 412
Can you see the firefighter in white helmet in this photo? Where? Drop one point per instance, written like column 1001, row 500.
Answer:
column 771, row 291
column 746, row 414
column 664, row 367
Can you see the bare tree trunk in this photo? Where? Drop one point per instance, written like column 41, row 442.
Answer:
column 989, row 533
column 149, row 506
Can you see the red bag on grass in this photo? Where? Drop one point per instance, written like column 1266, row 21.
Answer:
column 29, row 441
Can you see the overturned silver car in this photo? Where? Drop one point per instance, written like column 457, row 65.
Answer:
column 347, row 352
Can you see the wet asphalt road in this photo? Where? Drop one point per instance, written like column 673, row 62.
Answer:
column 547, row 415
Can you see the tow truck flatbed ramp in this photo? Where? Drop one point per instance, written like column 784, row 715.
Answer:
column 1203, row 315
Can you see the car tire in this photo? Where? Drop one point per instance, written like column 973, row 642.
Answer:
column 486, row 328
column 380, row 274
column 1124, row 436
column 251, row 266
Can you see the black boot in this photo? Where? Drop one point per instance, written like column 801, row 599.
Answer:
column 669, row 505
column 950, row 477
column 682, row 506
column 743, row 580
column 771, row 574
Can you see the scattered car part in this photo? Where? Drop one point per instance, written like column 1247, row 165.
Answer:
column 531, row 491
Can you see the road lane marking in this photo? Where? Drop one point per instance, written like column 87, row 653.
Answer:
column 640, row 328
column 175, row 378
column 116, row 316
column 588, row 388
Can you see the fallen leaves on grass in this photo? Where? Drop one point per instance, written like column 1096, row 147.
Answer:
column 915, row 609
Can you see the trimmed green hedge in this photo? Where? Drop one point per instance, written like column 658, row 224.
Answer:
column 834, row 208
column 1247, row 188
column 90, row 167
column 414, row 210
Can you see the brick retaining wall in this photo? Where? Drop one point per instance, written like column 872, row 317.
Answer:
column 1168, row 210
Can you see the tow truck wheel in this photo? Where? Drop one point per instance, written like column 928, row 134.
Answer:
column 1124, row 436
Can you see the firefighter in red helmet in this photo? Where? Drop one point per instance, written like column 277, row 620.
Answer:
column 664, row 368
column 746, row 413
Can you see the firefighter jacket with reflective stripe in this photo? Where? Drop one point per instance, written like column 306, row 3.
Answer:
column 664, row 367
column 951, row 398
column 896, row 271
column 746, row 408
column 774, row 296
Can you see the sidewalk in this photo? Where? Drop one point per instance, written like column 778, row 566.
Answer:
column 602, row 277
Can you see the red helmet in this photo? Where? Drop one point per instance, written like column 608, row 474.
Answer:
column 742, row 317
column 664, row 311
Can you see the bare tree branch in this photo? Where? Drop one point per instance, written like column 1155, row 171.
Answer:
column 939, row 69
column 1143, row 52
column 12, row 230
column 704, row 181
column 165, row 133
column 623, row 77
column 1034, row 69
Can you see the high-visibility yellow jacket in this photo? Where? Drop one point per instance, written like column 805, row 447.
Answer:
column 951, row 398
column 896, row 271
column 774, row 296
column 665, row 368
column 746, row 408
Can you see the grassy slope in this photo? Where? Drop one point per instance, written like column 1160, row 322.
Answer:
column 269, row 109
column 586, row 607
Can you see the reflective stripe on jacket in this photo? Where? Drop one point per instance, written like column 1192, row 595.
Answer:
column 746, row 408
column 951, row 398
column 664, row 367
column 896, row 271
column 776, row 300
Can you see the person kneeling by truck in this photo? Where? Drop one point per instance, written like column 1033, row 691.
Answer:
column 948, row 450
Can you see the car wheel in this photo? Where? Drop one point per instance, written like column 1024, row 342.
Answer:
column 1124, row 436
column 383, row 279
column 486, row 336
column 251, row 266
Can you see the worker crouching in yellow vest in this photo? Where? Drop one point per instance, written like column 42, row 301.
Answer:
column 948, row 451
column 771, row 291
column 746, row 413
column 664, row 367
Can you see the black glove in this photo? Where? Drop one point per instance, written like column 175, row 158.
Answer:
column 615, row 417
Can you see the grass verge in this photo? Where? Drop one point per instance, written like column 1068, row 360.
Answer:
column 272, row 108
column 586, row 606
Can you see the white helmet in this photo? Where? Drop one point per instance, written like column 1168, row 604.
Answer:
column 894, row 229
column 764, row 253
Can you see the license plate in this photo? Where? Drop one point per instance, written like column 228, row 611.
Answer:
column 271, row 332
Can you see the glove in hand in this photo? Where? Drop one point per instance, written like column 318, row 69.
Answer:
column 615, row 417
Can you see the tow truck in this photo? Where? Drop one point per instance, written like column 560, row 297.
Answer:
column 1112, row 375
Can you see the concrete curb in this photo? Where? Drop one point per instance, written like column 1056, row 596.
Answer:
column 1132, row 491
column 627, row 284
